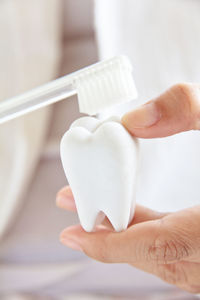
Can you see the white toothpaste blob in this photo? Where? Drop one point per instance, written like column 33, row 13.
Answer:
column 100, row 163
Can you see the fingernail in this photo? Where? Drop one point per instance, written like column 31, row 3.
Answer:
column 69, row 242
column 144, row 116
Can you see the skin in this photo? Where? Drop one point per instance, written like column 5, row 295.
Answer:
column 171, row 247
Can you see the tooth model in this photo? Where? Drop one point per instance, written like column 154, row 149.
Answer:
column 100, row 163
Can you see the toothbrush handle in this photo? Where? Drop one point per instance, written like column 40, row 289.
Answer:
column 39, row 97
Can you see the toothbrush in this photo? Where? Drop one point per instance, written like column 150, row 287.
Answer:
column 99, row 157
column 98, row 87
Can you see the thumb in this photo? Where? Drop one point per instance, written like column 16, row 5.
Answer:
column 170, row 239
column 176, row 110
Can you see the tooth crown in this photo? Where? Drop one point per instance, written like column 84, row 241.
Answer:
column 100, row 162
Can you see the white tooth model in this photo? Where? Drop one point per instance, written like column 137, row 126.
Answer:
column 100, row 162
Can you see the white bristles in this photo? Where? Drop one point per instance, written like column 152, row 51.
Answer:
column 105, row 84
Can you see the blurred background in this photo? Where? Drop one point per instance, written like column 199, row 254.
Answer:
column 42, row 40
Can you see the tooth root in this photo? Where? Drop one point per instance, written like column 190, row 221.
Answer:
column 119, row 219
column 89, row 217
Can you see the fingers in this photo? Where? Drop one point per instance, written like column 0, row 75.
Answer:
column 171, row 239
column 108, row 246
column 176, row 110
column 65, row 199
column 166, row 245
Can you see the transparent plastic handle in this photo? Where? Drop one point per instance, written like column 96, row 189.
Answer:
column 39, row 97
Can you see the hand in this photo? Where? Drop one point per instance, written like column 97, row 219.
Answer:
column 166, row 245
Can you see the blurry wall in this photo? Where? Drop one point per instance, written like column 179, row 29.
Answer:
column 82, row 12
column 79, row 50
column 29, row 56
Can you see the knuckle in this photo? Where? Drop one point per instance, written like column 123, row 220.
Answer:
column 184, row 90
column 168, row 249
column 189, row 95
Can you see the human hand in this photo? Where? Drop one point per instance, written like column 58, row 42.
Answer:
column 166, row 245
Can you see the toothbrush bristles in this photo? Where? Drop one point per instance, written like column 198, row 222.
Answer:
column 104, row 85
